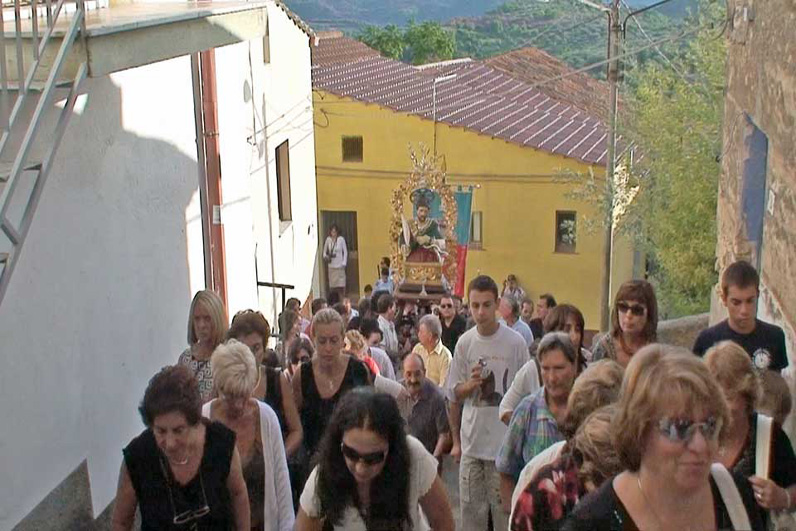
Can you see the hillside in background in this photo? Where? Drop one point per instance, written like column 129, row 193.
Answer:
column 566, row 29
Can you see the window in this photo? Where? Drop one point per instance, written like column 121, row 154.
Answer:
column 283, row 181
column 476, row 230
column 565, row 231
column 267, row 45
column 352, row 149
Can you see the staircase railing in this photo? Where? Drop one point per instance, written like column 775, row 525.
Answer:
column 18, row 203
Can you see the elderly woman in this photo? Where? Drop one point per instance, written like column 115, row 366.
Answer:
column 562, row 318
column 321, row 382
column 587, row 459
column 596, row 387
column 250, row 328
column 207, row 325
column 435, row 355
column 535, row 423
column 733, row 369
column 634, row 323
column 181, row 472
column 670, row 421
column 371, row 475
column 258, row 436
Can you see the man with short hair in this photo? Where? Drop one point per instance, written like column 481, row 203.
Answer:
column 546, row 303
column 487, row 358
column 386, row 309
column 318, row 305
column 527, row 307
column 384, row 283
column 453, row 324
column 509, row 310
column 436, row 356
column 369, row 328
column 428, row 418
column 764, row 342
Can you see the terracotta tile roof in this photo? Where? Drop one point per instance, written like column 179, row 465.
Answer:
column 480, row 98
column 533, row 65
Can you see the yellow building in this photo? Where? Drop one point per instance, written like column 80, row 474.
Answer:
column 496, row 133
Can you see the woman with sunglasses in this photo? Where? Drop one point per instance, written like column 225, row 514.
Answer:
column 321, row 382
column 300, row 351
column 671, row 418
column 182, row 472
column 371, row 475
column 258, row 436
column 733, row 369
column 634, row 323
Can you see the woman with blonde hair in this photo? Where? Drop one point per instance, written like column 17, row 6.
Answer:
column 671, row 418
column 776, row 489
column 320, row 383
column 207, row 326
column 258, row 436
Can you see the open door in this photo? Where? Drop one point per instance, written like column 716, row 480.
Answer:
column 347, row 222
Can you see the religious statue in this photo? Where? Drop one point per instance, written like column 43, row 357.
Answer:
column 421, row 238
column 423, row 247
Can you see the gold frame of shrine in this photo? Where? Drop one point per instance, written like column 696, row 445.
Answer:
column 426, row 172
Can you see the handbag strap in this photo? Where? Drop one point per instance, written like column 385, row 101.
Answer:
column 731, row 497
column 763, row 446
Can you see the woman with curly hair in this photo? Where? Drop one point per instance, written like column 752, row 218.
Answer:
column 371, row 475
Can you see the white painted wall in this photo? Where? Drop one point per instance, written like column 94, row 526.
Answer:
column 275, row 99
column 98, row 302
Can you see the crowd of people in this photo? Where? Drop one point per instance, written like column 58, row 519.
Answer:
column 346, row 422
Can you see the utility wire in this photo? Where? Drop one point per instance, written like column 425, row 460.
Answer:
column 535, row 38
column 657, row 48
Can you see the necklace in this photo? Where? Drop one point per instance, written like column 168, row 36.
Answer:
column 647, row 501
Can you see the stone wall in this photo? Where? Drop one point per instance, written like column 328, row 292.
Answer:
column 761, row 97
column 683, row 331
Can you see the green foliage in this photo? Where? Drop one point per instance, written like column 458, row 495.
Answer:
column 389, row 40
column 418, row 44
column 428, row 42
column 677, row 122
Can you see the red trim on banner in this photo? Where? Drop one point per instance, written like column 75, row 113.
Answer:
column 461, row 261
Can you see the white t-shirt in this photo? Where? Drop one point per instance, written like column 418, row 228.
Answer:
column 421, row 477
column 505, row 353
column 525, row 383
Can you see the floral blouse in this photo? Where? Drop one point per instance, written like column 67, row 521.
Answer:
column 548, row 499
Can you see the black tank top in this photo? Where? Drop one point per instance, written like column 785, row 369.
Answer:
column 316, row 411
column 273, row 397
column 153, row 482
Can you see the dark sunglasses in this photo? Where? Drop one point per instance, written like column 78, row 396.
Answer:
column 446, row 305
column 683, row 430
column 636, row 309
column 368, row 459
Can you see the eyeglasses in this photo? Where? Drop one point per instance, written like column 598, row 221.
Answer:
column 683, row 430
column 368, row 459
column 192, row 514
column 446, row 305
column 636, row 309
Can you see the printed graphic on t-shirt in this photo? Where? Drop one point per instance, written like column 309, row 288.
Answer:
column 762, row 358
column 488, row 395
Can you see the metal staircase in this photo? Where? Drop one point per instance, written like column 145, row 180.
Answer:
column 30, row 77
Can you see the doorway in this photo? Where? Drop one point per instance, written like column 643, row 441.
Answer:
column 753, row 194
column 347, row 223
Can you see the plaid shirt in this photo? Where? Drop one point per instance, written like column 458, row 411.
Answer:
column 532, row 429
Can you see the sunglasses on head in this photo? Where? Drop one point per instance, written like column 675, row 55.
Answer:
column 636, row 309
column 683, row 430
column 370, row 459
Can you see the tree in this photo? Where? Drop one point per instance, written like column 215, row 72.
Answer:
column 675, row 118
column 389, row 40
column 417, row 44
column 428, row 42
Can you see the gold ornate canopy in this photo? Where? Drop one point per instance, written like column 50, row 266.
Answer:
column 427, row 172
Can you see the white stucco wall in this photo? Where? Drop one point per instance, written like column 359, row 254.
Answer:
column 98, row 301
column 256, row 99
